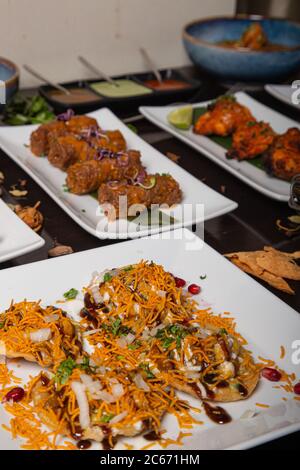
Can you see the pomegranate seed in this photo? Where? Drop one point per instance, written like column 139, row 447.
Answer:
column 271, row 374
column 15, row 394
column 179, row 282
column 297, row 389
column 194, row 289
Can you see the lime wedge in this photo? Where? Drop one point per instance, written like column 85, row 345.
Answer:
column 181, row 118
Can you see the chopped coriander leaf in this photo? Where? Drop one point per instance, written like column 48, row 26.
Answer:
column 85, row 365
column 167, row 343
column 65, row 188
column 115, row 326
column 127, row 268
column 120, row 358
column 107, row 277
column 170, row 334
column 134, row 346
column 64, row 371
column 106, row 418
column 132, row 128
column 223, row 331
column 146, row 369
column 71, row 294
column 2, row 325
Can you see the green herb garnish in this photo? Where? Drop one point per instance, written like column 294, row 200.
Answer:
column 64, row 371
column 132, row 128
column 134, row 346
column 146, row 369
column 106, row 418
column 172, row 333
column 27, row 110
column 71, row 294
column 65, row 188
column 107, row 277
column 223, row 331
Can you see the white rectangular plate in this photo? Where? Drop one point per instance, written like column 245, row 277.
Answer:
column 264, row 320
column 254, row 177
column 283, row 93
column 85, row 209
column 16, row 238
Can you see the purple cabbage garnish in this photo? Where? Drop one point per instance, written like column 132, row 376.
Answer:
column 66, row 116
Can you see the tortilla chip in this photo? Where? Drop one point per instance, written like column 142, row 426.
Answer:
column 248, row 258
column 280, row 265
column 273, row 280
column 295, row 255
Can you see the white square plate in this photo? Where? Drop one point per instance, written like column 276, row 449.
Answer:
column 253, row 176
column 283, row 93
column 85, row 210
column 264, row 320
column 16, row 238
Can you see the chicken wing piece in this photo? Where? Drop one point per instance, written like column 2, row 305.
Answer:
column 223, row 117
column 250, row 140
column 86, row 177
column 254, row 38
column 283, row 158
column 122, row 199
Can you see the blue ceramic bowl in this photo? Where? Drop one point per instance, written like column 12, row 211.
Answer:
column 201, row 40
column 9, row 74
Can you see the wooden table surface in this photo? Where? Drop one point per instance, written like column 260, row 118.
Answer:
column 250, row 227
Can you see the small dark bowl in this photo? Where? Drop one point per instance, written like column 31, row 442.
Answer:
column 9, row 74
column 201, row 40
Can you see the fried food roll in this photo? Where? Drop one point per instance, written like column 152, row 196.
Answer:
column 223, row 117
column 41, row 138
column 86, row 177
column 37, row 334
column 77, row 123
column 67, row 150
column 283, row 158
column 250, row 140
column 71, row 148
column 156, row 189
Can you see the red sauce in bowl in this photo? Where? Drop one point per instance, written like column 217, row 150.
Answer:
column 166, row 84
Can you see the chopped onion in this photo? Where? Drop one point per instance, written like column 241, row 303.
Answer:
column 154, row 330
column 41, row 335
column 93, row 386
column 96, row 295
column 83, row 404
column 202, row 390
column 118, row 418
column 106, row 297
column 140, row 383
column 51, row 318
column 121, row 342
column 136, row 308
column 106, row 397
column 117, row 390
column 129, row 338
column 91, row 332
